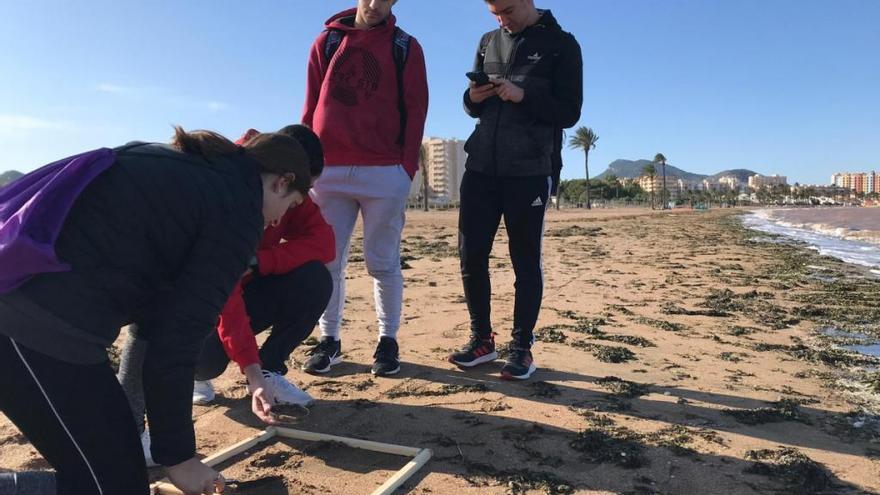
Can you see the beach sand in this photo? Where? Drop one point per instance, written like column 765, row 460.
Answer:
column 676, row 355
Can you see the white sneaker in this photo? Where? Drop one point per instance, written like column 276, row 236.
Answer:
column 286, row 392
column 203, row 392
column 145, row 443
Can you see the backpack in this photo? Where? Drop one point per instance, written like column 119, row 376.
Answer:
column 399, row 51
column 33, row 210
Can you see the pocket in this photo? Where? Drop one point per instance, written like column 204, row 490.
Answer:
column 404, row 182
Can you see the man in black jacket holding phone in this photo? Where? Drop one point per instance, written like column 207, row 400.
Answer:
column 535, row 91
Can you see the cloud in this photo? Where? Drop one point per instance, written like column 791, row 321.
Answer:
column 114, row 88
column 160, row 96
column 18, row 123
column 216, row 106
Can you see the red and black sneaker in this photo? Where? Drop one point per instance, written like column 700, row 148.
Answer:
column 519, row 365
column 478, row 350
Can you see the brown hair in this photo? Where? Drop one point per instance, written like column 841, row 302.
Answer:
column 310, row 142
column 275, row 153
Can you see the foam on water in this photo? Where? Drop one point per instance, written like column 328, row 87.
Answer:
column 836, row 241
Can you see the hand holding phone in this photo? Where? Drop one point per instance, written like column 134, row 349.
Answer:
column 482, row 88
column 479, row 78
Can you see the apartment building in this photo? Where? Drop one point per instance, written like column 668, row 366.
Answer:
column 758, row 181
column 445, row 160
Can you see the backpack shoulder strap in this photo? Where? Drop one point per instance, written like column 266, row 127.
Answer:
column 332, row 42
column 400, row 45
column 400, row 51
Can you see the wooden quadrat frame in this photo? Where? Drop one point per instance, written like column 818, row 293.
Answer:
column 419, row 456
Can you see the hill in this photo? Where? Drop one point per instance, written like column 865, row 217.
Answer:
column 9, row 176
column 630, row 169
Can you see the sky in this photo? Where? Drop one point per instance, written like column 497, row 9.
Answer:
column 787, row 87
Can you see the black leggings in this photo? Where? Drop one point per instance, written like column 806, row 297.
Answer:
column 522, row 202
column 290, row 304
column 77, row 417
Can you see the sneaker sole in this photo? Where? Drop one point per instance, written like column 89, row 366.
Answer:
column 387, row 373
column 203, row 402
column 506, row 375
column 314, row 371
column 492, row 356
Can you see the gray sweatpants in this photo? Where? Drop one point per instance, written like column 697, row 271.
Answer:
column 379, row 194
column 131, row 375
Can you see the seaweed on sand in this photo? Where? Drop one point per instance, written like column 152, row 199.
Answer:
column 661, row 324
column 623, row 388
column 610, row 444
column 800, row 474
column 606, row 353
column 575, row 230
column 781, row 410
column 670, row 308
column 446, row 389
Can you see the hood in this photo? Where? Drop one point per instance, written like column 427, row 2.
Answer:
column 344, row 21
column 545, row 21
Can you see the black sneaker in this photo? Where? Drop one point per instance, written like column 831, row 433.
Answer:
column 327, row 353
column 387, row 357
column 478, row 350
column 519, row 365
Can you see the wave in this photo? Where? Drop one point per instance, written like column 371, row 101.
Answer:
column 860, row 247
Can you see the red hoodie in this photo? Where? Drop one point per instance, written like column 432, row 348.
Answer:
column 352, row 101
column 301, row 236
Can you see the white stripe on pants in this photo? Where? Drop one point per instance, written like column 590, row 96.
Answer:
column 379, row 193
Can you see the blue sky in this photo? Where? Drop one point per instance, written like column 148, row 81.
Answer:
column 780, row 86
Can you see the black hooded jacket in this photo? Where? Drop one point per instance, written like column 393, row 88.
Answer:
column 518, row 139
column 158, row 239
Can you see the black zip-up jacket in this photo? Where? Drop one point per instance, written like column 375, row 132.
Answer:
column 158, row 239
column 518, row 139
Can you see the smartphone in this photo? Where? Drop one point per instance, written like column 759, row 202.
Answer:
column 480, row 78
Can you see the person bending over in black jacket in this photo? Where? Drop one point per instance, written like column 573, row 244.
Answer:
column 158, row 239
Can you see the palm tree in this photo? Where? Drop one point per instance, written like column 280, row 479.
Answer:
column 423, row 167
column 559, row 192
column 584, row 139
column 651, row 172
column 659, row 158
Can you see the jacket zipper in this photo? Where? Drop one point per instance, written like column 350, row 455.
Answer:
column 507, row 72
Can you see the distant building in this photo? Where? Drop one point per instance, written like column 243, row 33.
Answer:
column 445, row 160
column 859, row 182
column 758, row 181
column 710, row 185
column 730, row 182
column 673, row 188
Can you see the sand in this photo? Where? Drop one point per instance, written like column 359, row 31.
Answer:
column 677, row 354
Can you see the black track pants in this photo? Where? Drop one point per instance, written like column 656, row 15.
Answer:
column 290, row 304
column 521, row 201
column 77, row 417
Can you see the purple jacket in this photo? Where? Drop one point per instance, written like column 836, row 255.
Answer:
column 33, row 210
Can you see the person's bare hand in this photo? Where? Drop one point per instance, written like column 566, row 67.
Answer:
column 262, row 397
column 508, row 91
column 479, row 94
column 194, row 478
column 261, row 405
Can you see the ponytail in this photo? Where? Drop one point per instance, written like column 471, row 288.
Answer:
column 281, row 155
column 274, row 153
column 209, row 144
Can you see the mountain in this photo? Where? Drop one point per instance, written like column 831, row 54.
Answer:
column 630, row 169
column 740, row 173
column 9, row 176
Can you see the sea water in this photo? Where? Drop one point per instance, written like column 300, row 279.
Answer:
column 848, row 234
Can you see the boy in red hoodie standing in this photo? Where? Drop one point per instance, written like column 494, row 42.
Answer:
column 367, row 99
